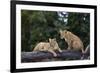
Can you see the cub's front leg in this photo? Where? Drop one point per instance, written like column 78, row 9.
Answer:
column 54, row 54
column 59, row 50
column 69, row 44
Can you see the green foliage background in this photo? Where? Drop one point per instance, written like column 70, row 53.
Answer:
column 39, row 26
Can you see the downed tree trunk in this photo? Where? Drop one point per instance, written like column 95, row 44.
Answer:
column 38, row 56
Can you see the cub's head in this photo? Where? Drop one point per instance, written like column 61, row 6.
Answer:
column 53, row 43
column 64, row 33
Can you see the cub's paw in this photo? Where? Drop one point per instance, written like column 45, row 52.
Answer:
column 55, row 55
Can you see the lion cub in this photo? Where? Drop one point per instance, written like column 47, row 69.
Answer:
column 73, row 41
column 50, row 46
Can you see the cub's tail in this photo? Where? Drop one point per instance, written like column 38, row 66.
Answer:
column 87, row 50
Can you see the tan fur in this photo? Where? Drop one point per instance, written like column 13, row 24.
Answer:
column 42, row 46
column 50, row 46
column 54, row 44
column 74, row 42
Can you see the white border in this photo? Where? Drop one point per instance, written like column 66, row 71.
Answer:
column 20, row 65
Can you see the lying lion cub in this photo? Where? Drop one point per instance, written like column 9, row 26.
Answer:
column 50, row 46
column 73, row 41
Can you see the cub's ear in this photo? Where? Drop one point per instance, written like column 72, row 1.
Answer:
column 69, row 32
column 55, row 39
column 49, row 39
column 65, row 31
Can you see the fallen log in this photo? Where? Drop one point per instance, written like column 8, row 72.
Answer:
column 38, row 56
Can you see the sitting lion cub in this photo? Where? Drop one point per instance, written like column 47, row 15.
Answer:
column 73, row 41
column 50, row 46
